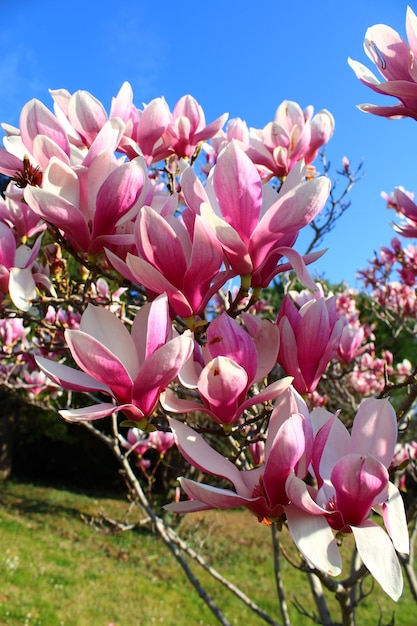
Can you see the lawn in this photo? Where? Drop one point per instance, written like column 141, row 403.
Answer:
column 63, row 562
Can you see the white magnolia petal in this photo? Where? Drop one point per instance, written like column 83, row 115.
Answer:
column 88, row 413
column 314, row 539
column 377, row 552
column 70, row 378
column 22, row 287
column 395, row 521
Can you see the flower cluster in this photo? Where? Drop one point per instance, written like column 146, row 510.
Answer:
column 155, row 246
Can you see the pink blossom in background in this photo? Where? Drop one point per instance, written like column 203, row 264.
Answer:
column 19, row 272
column 396, row 62
column 351, row 341
column 368, row 374
column 19, row 216
column 12, row 331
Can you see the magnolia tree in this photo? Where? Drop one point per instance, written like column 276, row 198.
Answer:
column 149, row 279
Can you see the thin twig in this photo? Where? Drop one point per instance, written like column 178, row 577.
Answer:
column 278, row 576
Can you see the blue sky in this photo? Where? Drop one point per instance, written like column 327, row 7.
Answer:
column 233, row 59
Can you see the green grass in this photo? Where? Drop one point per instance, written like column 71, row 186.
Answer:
column 61, row 563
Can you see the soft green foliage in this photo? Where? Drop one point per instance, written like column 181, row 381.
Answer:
column 62, row 562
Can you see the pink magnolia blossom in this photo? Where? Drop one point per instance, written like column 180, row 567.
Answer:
column 369, row 373
column 236, row 129
column 141, row 442
column 350, row 343
column 182, row 262
column 146, row 131
column 12, row 332
column 39, row 137
column 91, row 204
column 18, row 270
column 253, row 224
column 188, row 126
column 403, row 203
column 263, row 490
column 131, row 368
column 20, row 217
column 294, row 135
column 396, row 62
column 352, row 478
column 229, row 364
column 309, row 338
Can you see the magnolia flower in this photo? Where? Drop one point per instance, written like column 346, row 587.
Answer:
column 182, row 262
column 403, row 203
column 131, row 368
column 91, row 204
column 146, row 131
column 228, row 365
column 309, row 338
column 188, row 126
column 352, row 477
column 263, row 490
column 28, row 148
column 294, row 135
column 18, row 270
column 351, row 339
column 396, row 62
column 255, row 225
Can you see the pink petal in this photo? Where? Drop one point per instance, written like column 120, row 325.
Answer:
column 8, row 246
column 86, row 114
column 358, row 480
column 116, row 196
column 197, row 451
column 70, row 378
column 221, row 383
column 154, row 317
column 265, row 335
column 159, row 370
column 238, row 189
column 214, row 497
column 36, row 119
column 225, row 337
column 60, row 213
column 286, row 450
